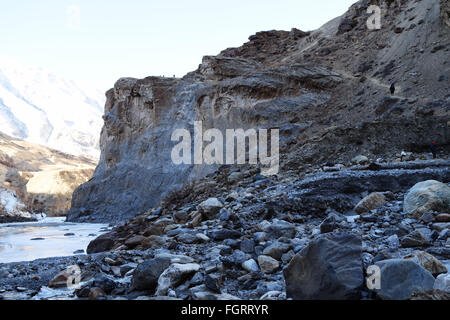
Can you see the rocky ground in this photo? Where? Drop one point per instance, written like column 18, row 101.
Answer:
column 239, row 235
column 357, row 187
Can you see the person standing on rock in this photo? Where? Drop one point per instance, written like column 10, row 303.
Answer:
column 433, row 148
column 392, row 88
column 402, row 156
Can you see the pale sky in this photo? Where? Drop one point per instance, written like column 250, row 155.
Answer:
column 99, row 41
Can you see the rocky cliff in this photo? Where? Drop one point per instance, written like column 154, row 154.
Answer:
column 327, row 91
column 136, row 170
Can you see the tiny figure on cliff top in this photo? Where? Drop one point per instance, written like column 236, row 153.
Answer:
column 392, row 88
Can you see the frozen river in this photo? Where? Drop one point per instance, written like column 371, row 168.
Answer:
column 50, row 237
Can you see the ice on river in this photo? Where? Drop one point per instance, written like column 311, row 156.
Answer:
column 50, row 237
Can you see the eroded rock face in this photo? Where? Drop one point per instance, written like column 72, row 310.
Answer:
column 136, row 170
column 267, row 45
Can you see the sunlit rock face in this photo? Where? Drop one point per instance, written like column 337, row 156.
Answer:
column 41, row 179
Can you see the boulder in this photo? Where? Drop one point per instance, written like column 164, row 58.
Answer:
column 443, row 217
column 134, row 241
column 427, row 196
column 393, row 242
column 174, row 275
column 428, row 262
column 441, row 226
column 280, row 228
column 372, row 201
column 146, row 275
column 268, row 264
column 329, row 268
column 431, row 295
column 210, row 208
column 60, row 280
column 400, row 278
column 360, row 160
column 248, row 245
column 153, row 242
column 175, row 258
column 187, row 238
column 101, row 244
column 415, row 239
column 329, row 224
column 222, row 234
column 250, row 266
column 104, row 283
column 214, row 282
column 276, row 250
column 96, row 293
column 443, row 282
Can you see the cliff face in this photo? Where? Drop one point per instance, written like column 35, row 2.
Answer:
column 136, row 170
column 327, row 91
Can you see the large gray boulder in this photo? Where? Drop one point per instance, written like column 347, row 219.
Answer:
column 400, row 278
column 146, row 275
column 102, row 243
column 372, row 201
column 427, row 196
column 210, row 207
column 329, row 268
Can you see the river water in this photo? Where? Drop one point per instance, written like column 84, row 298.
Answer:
column 50, row 237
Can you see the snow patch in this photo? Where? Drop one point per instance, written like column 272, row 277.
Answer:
column 12, row 205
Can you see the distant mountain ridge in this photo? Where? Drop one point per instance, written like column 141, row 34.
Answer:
column 41, row 107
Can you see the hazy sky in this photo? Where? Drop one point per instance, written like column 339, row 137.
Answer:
column 99, row 41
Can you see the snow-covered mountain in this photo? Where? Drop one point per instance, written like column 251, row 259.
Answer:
column 40, row 107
